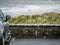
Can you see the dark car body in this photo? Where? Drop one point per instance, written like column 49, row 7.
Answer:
column 5, row 33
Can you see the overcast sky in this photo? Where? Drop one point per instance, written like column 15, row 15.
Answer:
column 23, row 2
column 17, row 7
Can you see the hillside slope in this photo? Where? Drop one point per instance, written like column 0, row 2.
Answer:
column 46, row 18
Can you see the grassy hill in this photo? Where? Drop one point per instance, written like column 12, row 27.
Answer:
column 46, row 18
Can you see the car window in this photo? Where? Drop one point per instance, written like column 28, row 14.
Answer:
column 1, row 16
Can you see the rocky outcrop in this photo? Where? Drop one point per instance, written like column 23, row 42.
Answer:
column 41, row 31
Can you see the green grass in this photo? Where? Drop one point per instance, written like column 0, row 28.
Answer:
column 46, row 18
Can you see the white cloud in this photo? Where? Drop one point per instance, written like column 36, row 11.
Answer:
column 29, row 9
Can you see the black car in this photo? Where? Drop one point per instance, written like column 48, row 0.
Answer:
column 5, row 33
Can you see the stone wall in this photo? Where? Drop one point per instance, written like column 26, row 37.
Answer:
column 41, row 31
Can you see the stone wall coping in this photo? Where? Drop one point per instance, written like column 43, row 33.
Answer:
column 34, row 24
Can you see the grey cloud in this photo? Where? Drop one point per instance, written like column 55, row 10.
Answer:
column 14, row 2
